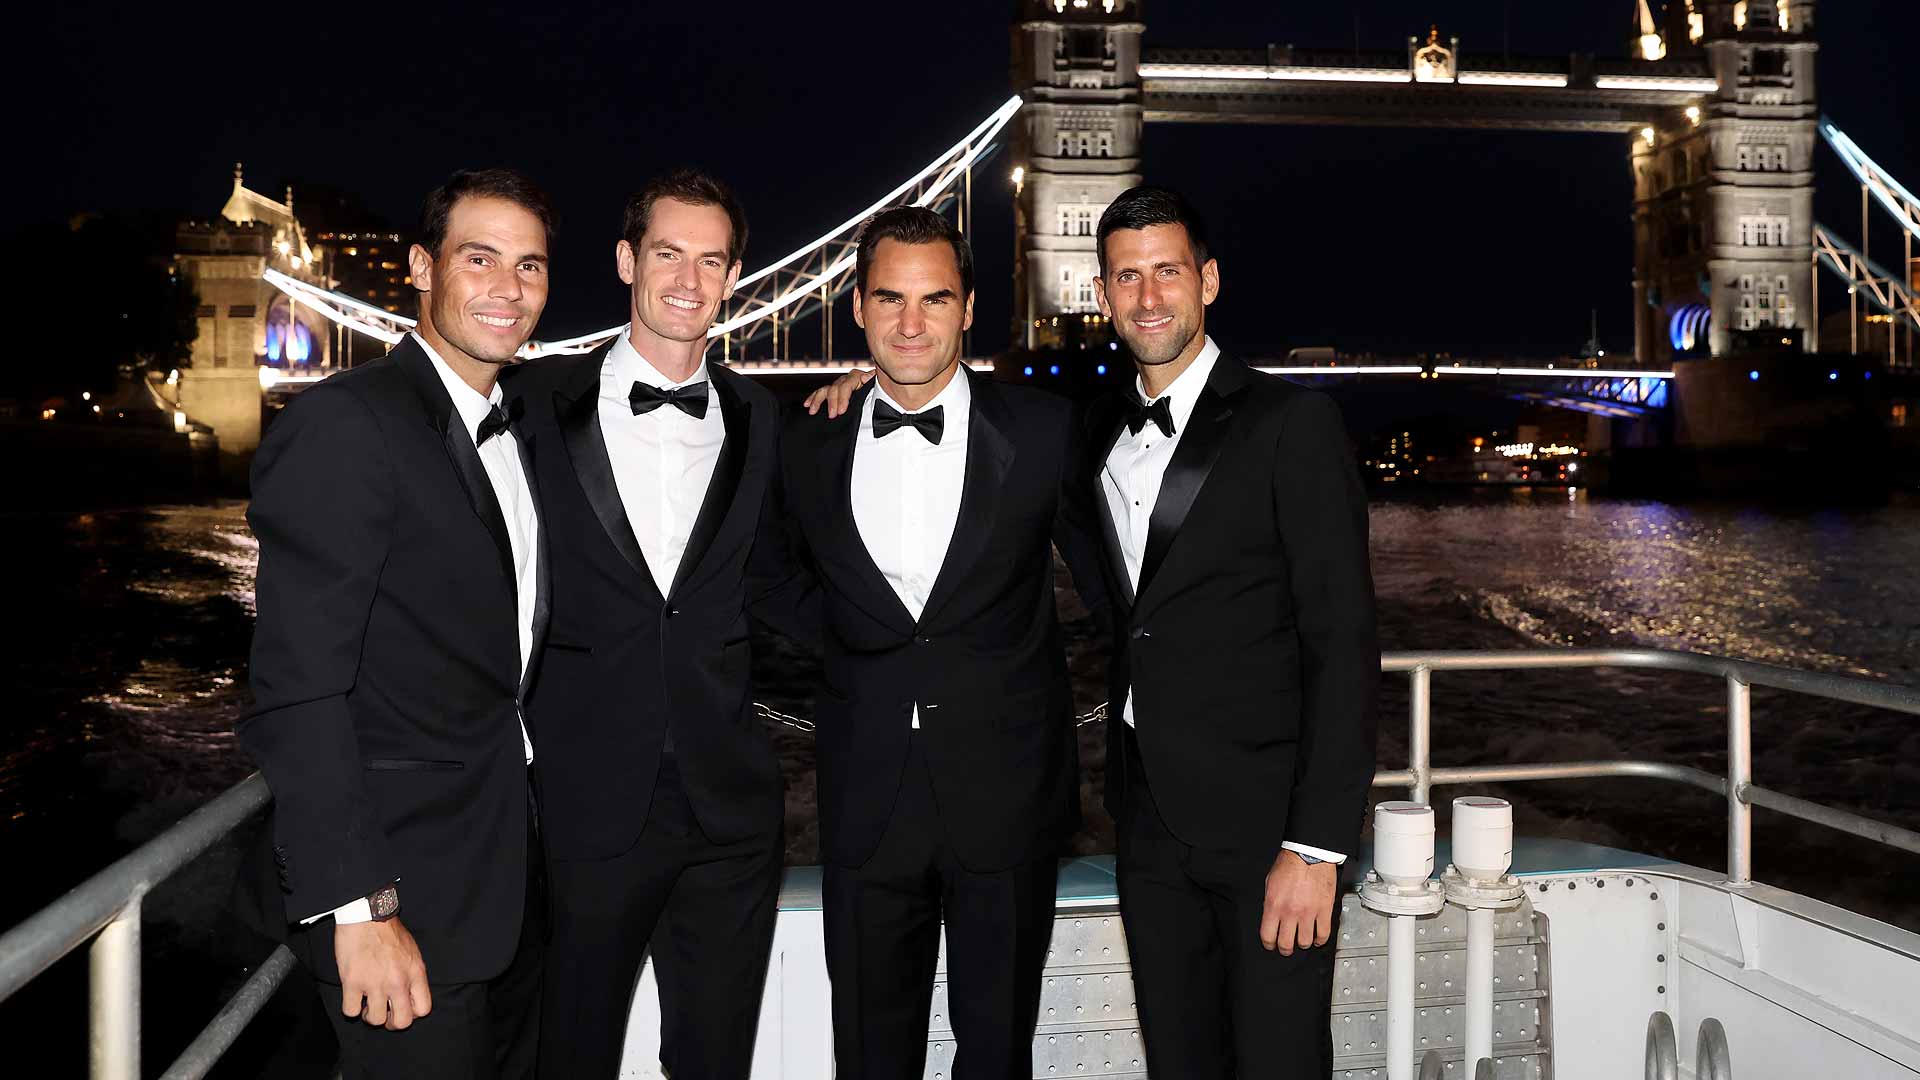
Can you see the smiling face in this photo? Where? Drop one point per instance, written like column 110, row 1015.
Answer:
column 915, row 316
column 483, row 291
column 679, row 273
column 1156, row 294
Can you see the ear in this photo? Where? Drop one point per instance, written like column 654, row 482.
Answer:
column 859, row 310
column 733, row 278
column 623, row 261
column 967, row 322
column 420, row 265
column 1210, row 281
column 1100, row 295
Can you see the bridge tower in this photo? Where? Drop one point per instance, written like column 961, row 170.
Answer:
column 1076, row 64
column 1723, row 192
column 244, row 322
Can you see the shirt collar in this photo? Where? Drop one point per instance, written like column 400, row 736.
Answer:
column 956, row 396
column 628, row 366
column 466, row 400
column 1184, row 393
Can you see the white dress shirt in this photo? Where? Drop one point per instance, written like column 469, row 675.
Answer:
column 662, row 460
column 501, row 457
column 1131, row 482
column 906, row 494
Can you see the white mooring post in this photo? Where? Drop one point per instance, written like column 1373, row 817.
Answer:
column 1478, row 881
column 1402, row 888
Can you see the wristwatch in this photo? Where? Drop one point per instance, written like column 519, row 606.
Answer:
column 384, row 903
column 1304, row 857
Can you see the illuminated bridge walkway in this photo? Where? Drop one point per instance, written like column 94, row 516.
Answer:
column 808, row 281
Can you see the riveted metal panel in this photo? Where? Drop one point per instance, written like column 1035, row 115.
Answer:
column 1088, row 1024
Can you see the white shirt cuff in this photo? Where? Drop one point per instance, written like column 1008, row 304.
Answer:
column 354, row 911
column 1322, row 854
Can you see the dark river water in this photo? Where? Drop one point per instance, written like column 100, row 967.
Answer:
column 124, row 655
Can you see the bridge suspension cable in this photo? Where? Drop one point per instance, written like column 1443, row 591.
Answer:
column 1866, row 280
column 1897, row 200
column 806, row 279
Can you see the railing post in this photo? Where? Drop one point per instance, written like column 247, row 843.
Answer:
column 1739, row 776
column 1420, row 734
column 113, row 992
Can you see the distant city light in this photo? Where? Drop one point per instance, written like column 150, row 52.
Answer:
column 86, row 395
column 1053, row 369
column 1832, row 375
column 1647, row 134
column 1100, row 369
column 1693, row 114
column 1028, row 371
column 1753, row 376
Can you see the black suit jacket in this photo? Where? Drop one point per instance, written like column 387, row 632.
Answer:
column 984, row 661
column 387, row 680
column 625, row 669
column 1250, row 645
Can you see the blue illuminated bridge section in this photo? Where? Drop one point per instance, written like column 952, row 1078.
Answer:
column 1613, row 392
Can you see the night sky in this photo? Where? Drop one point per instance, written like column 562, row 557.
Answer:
column 1363, row 238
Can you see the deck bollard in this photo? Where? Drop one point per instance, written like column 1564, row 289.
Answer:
column 1402, row 888
column 1478, row 881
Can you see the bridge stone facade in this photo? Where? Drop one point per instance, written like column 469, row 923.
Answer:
column 1077, row 65
column 242, row 318
column 1723, row 190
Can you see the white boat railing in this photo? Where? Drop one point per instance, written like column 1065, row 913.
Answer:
column 106, row 909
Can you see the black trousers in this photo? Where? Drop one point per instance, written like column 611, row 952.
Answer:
column 883, row 923
column 476, row 1031
column 705, row 913
column 1214, row 1003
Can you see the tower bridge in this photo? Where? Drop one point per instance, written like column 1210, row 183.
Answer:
column 1716, row 110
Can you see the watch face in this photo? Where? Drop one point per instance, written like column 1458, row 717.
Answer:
column 385, row 903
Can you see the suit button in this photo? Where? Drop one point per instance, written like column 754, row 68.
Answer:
column 672, row 611
column 1140, row 632
column 923, row 640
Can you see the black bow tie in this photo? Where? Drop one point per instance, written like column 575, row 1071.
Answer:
column 497, row 422
column 1160, row 412
column 691, row 400
column 931, row 424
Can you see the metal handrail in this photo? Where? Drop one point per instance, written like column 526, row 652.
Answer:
column 107, row 907
column 1741, row 793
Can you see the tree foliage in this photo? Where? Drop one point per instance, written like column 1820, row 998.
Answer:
column 95, row 294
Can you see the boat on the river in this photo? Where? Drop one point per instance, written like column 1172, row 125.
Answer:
column 1574, row 962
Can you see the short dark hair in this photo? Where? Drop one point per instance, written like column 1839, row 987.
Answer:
column 912, row 225
column 506, row 184
column 1146, row 205
column 690, row 186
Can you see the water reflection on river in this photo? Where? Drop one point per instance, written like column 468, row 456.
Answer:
column 125, row 659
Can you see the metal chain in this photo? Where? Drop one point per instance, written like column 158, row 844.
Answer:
column 767, row 712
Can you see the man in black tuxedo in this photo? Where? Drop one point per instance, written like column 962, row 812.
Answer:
column 927, row 515
column 659, row 789
column 401, row 599
column 1241, row 717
